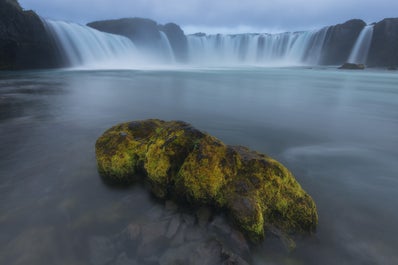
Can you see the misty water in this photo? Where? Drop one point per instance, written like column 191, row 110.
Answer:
column 335, row 130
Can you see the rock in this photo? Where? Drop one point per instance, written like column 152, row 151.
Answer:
column 219, row 225
column 153, row 239
column 383, row 50
column 171, row 206
column 203, row 215
column 102, row 250
column 194, row 233
column 133, row 231
column 230, row 258
column 143, row 32
column 204, row 253
column 352, row 66
column 188, row 219
column 173, row 226
column 24, row 42
column 340, row 40
column 153, row 231
column 239, row 243
column 179, row 238
column 193, row 167
column 122, row 259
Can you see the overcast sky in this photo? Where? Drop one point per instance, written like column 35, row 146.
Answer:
column 221, row 15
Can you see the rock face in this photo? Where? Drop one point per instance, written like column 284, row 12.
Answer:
column 145, row 33
column 352, row 66
column 24, row 42
column 190, row 166
column 384, row 47
column 340, row 40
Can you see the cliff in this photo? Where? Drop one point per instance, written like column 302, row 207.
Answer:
column 384, row 47
column 24, row 42
column 339, row 41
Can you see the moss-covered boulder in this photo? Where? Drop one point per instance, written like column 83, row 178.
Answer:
column 193, row 167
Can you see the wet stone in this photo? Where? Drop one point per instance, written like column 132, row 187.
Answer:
column 160, row 149
column 155, row 213
column 203, row 215
column 153, row 231
column 173, row 226
column 195, row 233
column 239, row 243
column 122, row 259
column 230, row 258
column 203, row 253
column 133, row 231
column 179, row 237
column 170, row 206
column 102, row 250
column 188, row 219
column 220, row 225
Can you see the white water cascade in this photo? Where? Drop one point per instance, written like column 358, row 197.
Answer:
column 86, row 47
column 166, row 47
column 291, row 48
column 359, row 53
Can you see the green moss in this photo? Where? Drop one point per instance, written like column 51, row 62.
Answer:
column 118, row 155
column 186, row 164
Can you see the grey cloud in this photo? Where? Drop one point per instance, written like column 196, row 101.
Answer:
column 284, row 14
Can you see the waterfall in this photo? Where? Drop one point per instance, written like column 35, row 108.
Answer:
column 84, row 46
column 166, row 47
column 359, row 53
column 291, row 48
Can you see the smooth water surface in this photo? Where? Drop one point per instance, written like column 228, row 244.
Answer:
column 335, row 130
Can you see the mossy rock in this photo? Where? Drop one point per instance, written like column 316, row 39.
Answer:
column 187, row 165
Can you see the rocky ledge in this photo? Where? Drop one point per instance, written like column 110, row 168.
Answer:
column 191, row 167
column 352, row 66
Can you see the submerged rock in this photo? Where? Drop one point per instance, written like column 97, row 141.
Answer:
column 352, row 66
column 189, row 166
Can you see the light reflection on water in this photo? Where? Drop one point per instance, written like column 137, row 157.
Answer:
column 336, row 130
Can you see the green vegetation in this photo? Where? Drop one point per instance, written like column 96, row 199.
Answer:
column 187, row 165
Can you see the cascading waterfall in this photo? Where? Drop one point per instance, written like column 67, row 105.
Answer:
column 87, row 47
column 83, row 46
column 285, row 48
column 166, row 47
column 359, row 53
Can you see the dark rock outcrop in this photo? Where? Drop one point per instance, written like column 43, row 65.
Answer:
column 177, row 39
column 143, row 32
column 24, row 42
column 146, row 34
column 384, row 47
column 352, row 66
column 193, row 167
column 340, row 40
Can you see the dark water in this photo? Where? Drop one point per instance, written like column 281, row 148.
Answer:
column 336, row 130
